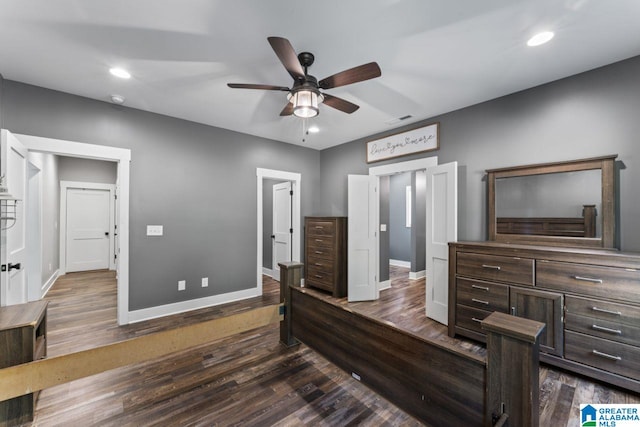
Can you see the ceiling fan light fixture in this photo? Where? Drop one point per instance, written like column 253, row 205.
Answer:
column 305, row 104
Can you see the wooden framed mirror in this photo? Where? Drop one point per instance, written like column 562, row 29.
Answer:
column 568, row 203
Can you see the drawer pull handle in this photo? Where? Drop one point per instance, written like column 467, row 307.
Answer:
column 602, row 310
column 319, row 240
column 484, row 288
column 480, row 301
column 318, row 276
column 587, row 279
column 319, row 253
column 318, row 264
column 606, row 356
column 603, row 329
column 476, row 319
column 319, row 227
column 492, row 267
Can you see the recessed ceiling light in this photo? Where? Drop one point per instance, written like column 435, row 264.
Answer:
column 120, row 72
column 540, row 38
column 117, row 99
column 314, row 129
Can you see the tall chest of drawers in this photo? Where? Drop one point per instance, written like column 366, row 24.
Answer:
column 589, row 300
column 325, row 247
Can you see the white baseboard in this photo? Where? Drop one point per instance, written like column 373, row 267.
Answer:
column 415, row 275
column 193, row 304
column 49, row 283
column 384, row 285
column 399, row 263
column 268, row 272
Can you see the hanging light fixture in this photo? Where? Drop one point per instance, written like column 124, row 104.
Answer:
column 305, row 102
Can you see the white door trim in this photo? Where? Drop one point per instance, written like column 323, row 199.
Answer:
column 66, row 185
column 296, row 180
column 378, row 171
column 34, row 230
column 100, row 152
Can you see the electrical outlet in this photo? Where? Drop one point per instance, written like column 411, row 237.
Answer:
column 205, row 282
column 182, row 285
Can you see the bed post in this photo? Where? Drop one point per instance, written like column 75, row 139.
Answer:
column 512, row 370
column 290, row 274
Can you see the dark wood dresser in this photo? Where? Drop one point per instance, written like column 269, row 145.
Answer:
column 588, row 298
column 325, row 249
column 23, row 338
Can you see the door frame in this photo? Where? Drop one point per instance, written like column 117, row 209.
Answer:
column 122, row 157
column 296, row 181
column 64, row 187
column 391, row 169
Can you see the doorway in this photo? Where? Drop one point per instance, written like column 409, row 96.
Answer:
column 34, row 231
column 122, row 157
column 267, row 178
column 440, row 225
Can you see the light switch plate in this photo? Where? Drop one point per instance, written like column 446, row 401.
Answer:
column 182, row 285
column 154, row 230
column 383, row 227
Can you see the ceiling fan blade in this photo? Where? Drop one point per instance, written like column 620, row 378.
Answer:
column 339, row 103
column 352, row 75
column 287, row 56
column 254, row 86
column 287, row 110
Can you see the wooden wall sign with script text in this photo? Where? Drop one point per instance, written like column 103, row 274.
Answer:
column 412, row 141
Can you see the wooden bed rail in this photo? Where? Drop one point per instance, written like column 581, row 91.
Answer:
column 433, row 380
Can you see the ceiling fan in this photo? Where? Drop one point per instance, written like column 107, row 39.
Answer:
column 305, row 94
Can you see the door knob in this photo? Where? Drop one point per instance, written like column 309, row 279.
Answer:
column 14, row 266
column 273, row 236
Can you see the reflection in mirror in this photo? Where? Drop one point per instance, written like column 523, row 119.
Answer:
column 569, row 203
column 554, row 204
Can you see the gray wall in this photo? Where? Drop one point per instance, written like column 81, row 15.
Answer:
column 418, row 220
column 87, row 170
column 587, row 115
column 399, row 233
column 50, row 206
column 384, row 235
column 196, row 180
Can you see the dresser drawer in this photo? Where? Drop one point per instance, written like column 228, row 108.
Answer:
column 320, row 252
column 324, row 242
column 319, row 278
column 605, row 282
column 321, row 228
column 495, row 267
column 611, row 356
column 603, row 310
column 483, row 295
column 614, row 331
column 470, row 318
column 321, row 264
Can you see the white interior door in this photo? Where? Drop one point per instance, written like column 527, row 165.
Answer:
column 88, row 229
column 361, row 254
column 441, row 228
column 281, row 231
column 14, row 166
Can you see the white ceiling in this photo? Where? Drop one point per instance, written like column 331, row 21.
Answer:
column 436, row 55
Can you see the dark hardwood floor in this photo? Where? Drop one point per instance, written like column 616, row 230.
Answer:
column 248, row 379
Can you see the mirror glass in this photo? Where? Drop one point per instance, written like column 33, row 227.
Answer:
column 553, row 204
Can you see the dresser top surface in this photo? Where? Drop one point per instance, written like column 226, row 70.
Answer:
column 20, row 315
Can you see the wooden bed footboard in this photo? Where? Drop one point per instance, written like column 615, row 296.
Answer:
column 433, row 381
